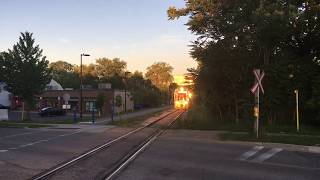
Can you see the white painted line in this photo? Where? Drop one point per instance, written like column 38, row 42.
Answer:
column 21, row 134
column 3, row 150
column 267, row 155
column 12, row 148
column 250, row 153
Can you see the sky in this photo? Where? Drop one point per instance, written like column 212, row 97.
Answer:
column 136, row 31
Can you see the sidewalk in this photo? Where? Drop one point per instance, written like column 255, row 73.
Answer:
column 106, row 120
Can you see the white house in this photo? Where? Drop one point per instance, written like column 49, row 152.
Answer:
column 4, row 96
column 4, row 101
column 54, row 85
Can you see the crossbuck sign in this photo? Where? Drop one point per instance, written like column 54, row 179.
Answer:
column 258, row 85
column 256, row 88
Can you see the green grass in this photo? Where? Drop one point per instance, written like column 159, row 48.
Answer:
column 286, row 129
column 273, row 138
column 50, row 121
column 136, row 121
column 5, row 124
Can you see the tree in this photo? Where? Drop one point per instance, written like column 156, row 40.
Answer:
column 89, row 75
column 22, row 65
column 143, row 91
column 61, row 66
column 64, row 73
column 101, row 98
column 108, row 68
column 160, row 74
column 281, row 37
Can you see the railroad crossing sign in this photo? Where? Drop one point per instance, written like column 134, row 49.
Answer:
column 258, row 85
column 256, row 88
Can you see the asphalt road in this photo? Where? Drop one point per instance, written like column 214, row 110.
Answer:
column 181, row 154
column 178, row 154
column 27, row 152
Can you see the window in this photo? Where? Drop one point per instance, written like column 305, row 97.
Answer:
column 90, row 105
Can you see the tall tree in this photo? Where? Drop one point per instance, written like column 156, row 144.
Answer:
column 160, row 74
column 281, row 37
column 107, row 68
column 143, row 91
column 24, row 64
column 64, row 73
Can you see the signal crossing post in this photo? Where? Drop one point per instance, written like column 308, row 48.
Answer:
column 256, row 91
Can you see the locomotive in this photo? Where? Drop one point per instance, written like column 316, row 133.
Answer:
column 182, row 98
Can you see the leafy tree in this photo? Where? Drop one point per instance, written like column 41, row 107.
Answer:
column 118, row 101
column 234, row 37
column 22, row 65
column 143, row 91
column 61, row 66
column 64, row 73
column 101, row 98
column 160, row 74
column 89, row 75
column 108, row 68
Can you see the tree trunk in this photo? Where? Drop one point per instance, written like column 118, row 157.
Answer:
column 266, row 55
column 236, row 108
column 220, row 112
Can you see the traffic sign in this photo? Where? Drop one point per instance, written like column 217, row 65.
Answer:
column 258, row 85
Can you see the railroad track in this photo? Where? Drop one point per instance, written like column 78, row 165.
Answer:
column 121, row 162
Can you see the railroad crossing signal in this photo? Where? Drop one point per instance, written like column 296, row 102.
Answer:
column 258, row 85
column 256, row 88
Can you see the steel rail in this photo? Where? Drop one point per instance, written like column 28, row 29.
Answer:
column 59, row 167
column 129, row 158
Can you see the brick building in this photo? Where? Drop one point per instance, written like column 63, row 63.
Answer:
column 55, row 98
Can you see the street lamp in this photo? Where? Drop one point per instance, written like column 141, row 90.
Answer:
column 81, row 84
column 296, row 92
column 125, row 91
column 297, row 109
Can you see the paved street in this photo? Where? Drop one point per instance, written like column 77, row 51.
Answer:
column 182, row 154
column 178, row 154
column 26, row 152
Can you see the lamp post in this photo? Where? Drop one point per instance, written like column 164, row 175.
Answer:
column 125, row 91
column 296, row 92
column 297, row 109
column 81, row 86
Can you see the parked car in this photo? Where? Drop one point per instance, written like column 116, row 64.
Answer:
column 4, row 107
column 51, row 111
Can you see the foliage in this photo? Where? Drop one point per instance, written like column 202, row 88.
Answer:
column 65, row 74
column 101, row 98
column 118, row 101
column 143, row 91
column 108, row 68
column 234, row 37
column 22, row 65
column 160, row 74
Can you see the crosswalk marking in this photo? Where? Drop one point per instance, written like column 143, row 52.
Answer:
column 250, row 153
column 267, row 155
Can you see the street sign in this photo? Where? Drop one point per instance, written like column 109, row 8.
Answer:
column 66, row 106
column 258, row 85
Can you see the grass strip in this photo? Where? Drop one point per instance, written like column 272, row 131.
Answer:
column 272, row 138
column 22, row 125
column 135, row 121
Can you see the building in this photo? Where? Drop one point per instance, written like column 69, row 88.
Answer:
column 5, row 99
column 56, row 96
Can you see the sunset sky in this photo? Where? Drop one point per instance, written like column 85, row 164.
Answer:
column 137, row 31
